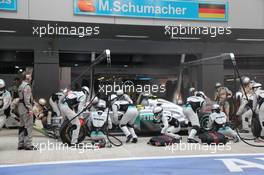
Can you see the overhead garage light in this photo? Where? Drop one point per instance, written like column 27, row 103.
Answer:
column 132, row 36
column 7, row 31
column 251, row 39
column 101, row 78
column 185, row 38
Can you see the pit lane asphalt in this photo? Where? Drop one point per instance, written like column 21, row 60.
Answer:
column 10, row 155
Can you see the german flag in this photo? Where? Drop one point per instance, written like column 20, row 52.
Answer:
column 212, row 11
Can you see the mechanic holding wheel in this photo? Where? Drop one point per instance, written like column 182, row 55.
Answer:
column 75, row 99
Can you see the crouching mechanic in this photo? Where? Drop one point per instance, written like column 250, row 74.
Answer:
column 40, row 111
column 171, row 125
column 56, row 101
column 98, row 123
column 5, row 102
column 72, row 105
column 260, row 112
column 123, row 104
column 218, row 122
column 193, row 105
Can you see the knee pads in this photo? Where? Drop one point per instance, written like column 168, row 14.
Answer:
column 197, row 128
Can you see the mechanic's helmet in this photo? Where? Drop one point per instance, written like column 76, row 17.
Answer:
column 42, row 102
column 95, row 101
column 157, row 111
column 217, row 85
column 191, row 90
column 64, row 91
column 257, row 86
column 245, row 80
column 216, row 108
column 101, row 105
column 200, row 94
column 239, row 95
column 85, row 90
column 119, row 92
column 113, row 97
column 2, row 86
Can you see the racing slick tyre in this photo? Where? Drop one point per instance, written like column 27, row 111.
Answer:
column 204, row 120
column 66, row 132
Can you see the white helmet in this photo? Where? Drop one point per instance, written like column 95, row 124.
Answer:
column 2, row 83
column 157, row 110
column 101, row 105
column 95, row 100
column 42, row 102
column 119, row 92
column 216, row 108
column 86, row 90
column 257, row 85
column 245, row 80
column 217, row 85
column 191, row 89
column 64, row 91
column 239, row 95
column 113, row 97
column 2, row 86
column 200, row 94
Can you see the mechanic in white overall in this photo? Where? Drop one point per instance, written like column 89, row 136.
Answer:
column 73, row 104
column 218, row 122
column 122, row 103
column 193, row 105
column 171, row 125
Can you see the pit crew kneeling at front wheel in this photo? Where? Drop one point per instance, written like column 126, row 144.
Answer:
column 218, row 121
column 75, row 99
column 129, row 116
column 171, row 125
column 193, row 105
column 97, row 124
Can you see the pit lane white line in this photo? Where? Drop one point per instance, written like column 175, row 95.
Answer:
column 127, row 159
